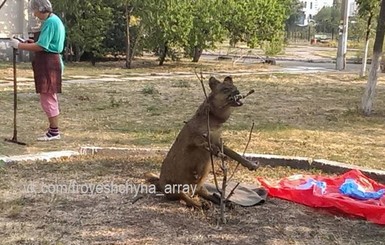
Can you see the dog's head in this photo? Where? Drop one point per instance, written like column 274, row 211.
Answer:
column 224, row 94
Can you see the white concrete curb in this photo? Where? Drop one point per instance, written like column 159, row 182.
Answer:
column 47, row 156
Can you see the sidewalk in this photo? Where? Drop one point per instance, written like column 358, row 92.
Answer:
column 293, row 52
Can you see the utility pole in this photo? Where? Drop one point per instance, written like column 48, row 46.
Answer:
column 342, row 36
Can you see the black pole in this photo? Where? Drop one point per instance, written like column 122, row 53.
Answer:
column 14, row 138
column 14, row 96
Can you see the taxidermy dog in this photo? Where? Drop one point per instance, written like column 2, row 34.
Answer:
column 188, row 162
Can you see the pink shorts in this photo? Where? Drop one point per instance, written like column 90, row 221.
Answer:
column 50, row 104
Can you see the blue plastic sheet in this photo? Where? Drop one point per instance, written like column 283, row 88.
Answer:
column 354, row 190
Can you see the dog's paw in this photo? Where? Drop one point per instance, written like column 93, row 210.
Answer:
column 206, row 205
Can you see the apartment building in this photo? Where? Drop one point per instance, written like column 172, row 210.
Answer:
column 312, row 7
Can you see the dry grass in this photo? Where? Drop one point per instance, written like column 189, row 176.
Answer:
column 62, row 218
column 312, row 115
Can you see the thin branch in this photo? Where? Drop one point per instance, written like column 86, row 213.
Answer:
column 247, row 145
column 200, row 78
column 232, row 192
column 224, row 185
column 211, row 154
column 137, row 198
column 248, row 142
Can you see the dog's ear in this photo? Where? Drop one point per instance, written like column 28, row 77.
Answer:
column 213, row 83
column 228, row 80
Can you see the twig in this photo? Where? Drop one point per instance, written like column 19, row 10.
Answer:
column 211, row 154
column 248, row 142
column 200, row 78
column 224, row 185
column 247, row 145
column 232, row 192
column 137, row 198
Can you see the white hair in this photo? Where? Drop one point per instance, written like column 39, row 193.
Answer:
column 41, row 5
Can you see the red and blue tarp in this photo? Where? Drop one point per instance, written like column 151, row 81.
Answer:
column 351, row 193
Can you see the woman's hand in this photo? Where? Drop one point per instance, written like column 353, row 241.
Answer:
column 14, row 43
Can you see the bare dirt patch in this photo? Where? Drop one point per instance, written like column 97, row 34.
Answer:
column 43, row 218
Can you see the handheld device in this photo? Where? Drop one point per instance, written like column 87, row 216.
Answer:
column 20, row 39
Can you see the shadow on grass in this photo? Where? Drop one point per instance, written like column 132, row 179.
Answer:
column 62, row 218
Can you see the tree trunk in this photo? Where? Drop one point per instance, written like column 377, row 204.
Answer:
column 135, row 42
column 367, row 100
column 128, row 43
column 365, row 58
column 93, row 59
column 67, row 52
column 78, row 53
column 197, row 54
column 163, row 54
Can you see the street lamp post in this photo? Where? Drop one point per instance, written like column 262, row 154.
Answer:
column 343, row 36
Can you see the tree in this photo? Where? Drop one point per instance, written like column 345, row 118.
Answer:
column 367, row 9
column 129, row 51
column 358, row 27
column 255, row 21
column 166, row 25
column 336, row 15
column 294, row 12
column 125, row 32
column 327, row 19
column 115, row 40
column 207, row 28
column 86, row 24
column 367, row 100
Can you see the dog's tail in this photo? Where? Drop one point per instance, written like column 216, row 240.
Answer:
column 152, row 179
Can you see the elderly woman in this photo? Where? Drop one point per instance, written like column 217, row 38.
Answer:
column 47, row 65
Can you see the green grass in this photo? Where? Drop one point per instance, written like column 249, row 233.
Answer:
column 149, row 90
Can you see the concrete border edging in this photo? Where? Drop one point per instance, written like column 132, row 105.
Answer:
column 43, row 156
column 113, row 151
column 326, row 166
column 337, row 167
